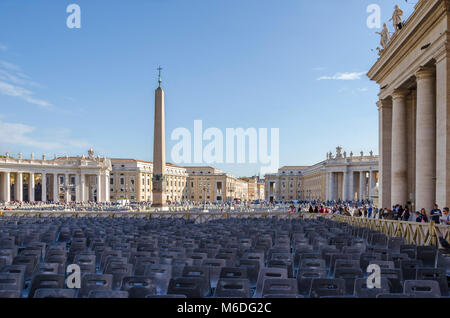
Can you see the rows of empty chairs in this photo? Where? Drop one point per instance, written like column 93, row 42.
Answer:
column 236, row 258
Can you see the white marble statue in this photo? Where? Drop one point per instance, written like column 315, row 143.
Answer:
column 384, row 36
column 397, row 18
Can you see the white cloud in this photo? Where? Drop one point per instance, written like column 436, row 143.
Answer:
column 343, row 76
column 18, row 134
column 13, row 82
column 10, row 66
column 22, row 93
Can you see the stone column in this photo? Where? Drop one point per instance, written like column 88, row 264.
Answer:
column 77, row 188
column 99, row 188
column 66, row 187
column 351, row 186
column 328, row 187
column 399, row 159
column 332, row 182
column 55, row 188
column 385, row 146
column 370, row 185
column 31, row 187
column 411, row 119
column 44, row 188
column 18, row 187
column 443, row 128
column 83, row 188
column 426, row 140
column 108, row 190
column 7, row 187
column 361, row 185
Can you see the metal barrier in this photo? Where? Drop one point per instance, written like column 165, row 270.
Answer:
column 413, row 232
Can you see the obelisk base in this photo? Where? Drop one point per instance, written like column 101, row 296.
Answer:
column 159, row 187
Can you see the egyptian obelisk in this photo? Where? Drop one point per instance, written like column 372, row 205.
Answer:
column 159, row 149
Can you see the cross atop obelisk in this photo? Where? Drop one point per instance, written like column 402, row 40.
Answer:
column 159, row 149
column 159, row 75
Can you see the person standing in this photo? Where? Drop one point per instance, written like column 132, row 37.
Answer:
column 445, row 219
column 436, row 214
column 423, row 215
column 405, row 214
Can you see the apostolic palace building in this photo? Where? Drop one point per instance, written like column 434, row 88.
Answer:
column 413, row 72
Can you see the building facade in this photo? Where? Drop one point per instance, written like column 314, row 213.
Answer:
column 95, row 179
column 131, row 179
column 213, row 185
column 65, row 179
column 339, row 177
column 414, row 119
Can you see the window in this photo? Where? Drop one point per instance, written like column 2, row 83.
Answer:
column 122, row 181
column 111, row 181
column 132, row 181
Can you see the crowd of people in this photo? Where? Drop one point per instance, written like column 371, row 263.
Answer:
column 368, row 210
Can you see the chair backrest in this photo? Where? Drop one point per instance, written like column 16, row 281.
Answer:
column 86, row 262
column 274, row 286
column 288, row 264
column 108, row 294
column 91, row 282
column 422, row 288
column 411, row 250
column 47, row 268
column 143, row 262
column 40, row 281
column 268, row 273
column 234, row 272
column 436, row 274
column 428, row 255
column 310, row 263
column 349, row 275
column 11, row 281
column 215, row 267
column 10, row 294
column 362, row 291
column 54, row 293
column 347, row 263
column 409, row 268
column 394, row 243
column 252, row 267
column 235, row 288
column 161, row 274
column 383, row 264
column 191, row 287
column 327, row 287
column 28, row 261
column 198, row 271
column 397, row 258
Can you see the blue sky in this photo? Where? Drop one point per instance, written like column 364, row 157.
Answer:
column 230, row 63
